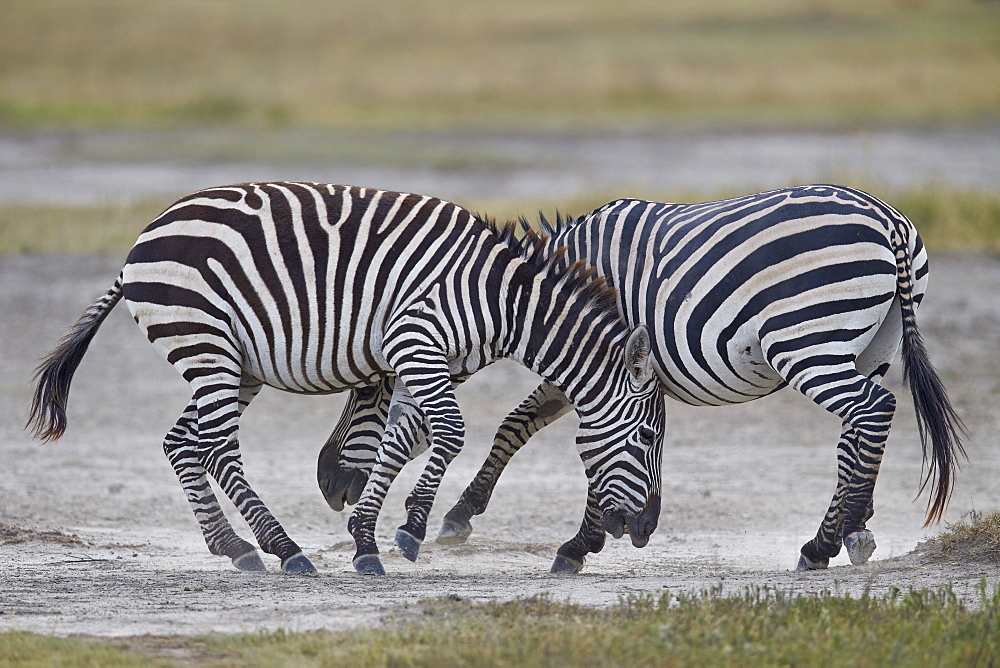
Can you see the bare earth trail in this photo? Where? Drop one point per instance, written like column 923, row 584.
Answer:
column 96, row 536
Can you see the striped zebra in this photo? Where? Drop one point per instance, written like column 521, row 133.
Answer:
column 314, row 289
column 813, row 287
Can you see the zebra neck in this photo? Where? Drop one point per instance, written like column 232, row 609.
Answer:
column 562, row 334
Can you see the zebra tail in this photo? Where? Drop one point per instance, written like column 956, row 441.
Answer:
column 47, row 417
column 937, row 420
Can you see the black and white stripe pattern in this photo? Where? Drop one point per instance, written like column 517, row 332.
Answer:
column 315, row 288
column 813, row 287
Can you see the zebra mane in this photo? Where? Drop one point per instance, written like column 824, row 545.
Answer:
column 548, row 232
column 539, row 251
column 561, row 223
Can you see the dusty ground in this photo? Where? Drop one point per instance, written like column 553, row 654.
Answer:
column 96, row 536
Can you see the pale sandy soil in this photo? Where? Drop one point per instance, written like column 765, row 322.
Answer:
column 96, row 536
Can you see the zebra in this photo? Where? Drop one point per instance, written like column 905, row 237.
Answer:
column 812, row 286
column 318, row 288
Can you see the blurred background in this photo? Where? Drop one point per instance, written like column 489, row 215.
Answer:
column 111, row 109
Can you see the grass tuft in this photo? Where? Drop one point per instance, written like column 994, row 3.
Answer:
column 975, row 537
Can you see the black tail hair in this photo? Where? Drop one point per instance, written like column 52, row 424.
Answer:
column 936, row 417
column 47, row 416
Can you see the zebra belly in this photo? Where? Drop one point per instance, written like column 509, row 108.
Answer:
column 315, row 383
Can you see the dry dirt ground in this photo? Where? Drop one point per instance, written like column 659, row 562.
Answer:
column 96, row 536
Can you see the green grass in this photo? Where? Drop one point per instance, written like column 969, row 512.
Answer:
column 520, row 63
column 74, row 230
column 20, row 648
column 952, row 219
column 948, row 219
column 760, row 627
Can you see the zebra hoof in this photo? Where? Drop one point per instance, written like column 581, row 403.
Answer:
column 565, row 566
column 297, row 564
column 807, row 564
column 860, row 546
column 408, row 545
column 453, row 533
column 250, row 562
column 369, row 564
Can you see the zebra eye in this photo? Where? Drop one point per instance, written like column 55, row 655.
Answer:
column 367, row 392
column 646, row 436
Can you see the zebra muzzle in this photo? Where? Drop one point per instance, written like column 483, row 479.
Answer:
column 341, row 486
column 640, row 527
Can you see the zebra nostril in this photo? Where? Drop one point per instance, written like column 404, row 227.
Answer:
column 358, row 480
column 613, row 522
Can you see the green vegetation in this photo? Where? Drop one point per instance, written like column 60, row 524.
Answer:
column 18, row 648
column 759, row 627
column 948, row 219
column 960, row 220
column 75, row 230
column 521, row 63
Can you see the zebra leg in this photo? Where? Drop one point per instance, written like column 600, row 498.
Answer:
column 403, row 421
column 874, row 362
column 817, row 552
column 867, row 409
column 220, row 398
column 541, row 408
column 427, row 378
column 830, row 537
column 181, row 448
column 572, row 555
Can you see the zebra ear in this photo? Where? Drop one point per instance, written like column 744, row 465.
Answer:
column 637, row 355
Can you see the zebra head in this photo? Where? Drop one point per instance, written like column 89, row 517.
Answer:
column 620, row 440
column 349, row 452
